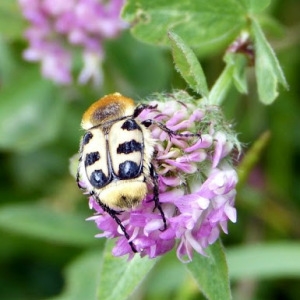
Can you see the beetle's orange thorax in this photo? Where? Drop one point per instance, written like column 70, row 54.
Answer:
column 107, row 109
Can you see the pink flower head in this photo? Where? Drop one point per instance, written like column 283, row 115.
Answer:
column 196, row 183
column 64, row 25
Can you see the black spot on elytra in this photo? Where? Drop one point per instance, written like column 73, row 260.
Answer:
column 128, row 169
column 129, row 147
column 98, row 179
column 87, row 137
column 91, row 158
column 130, row 125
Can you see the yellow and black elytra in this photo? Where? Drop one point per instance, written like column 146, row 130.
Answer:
column 115, row 164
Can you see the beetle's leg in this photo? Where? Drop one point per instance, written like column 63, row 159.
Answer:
column 157, row 204
column 114, row 214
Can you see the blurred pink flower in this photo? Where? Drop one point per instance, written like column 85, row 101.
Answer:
column 57, row 27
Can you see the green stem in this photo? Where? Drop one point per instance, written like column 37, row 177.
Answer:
column 252, row 157
column 221, row 87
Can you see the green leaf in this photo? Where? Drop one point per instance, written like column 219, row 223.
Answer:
column 30, row 112
column 120, row 277
column 46, row 224
column 188, row 65
column 178, row 283
column 267, row 68
column 73, row 164
column 256, row 6
column 264, row 261
column 81, row 278
column 10, row 14
column 202, row 23
column 211, row 273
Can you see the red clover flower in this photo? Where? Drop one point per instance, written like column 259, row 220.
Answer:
column 56, row 26
column 196, row 183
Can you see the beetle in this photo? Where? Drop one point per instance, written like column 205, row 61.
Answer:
column 116, row 154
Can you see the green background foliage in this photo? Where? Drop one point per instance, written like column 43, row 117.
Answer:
column 48, row 250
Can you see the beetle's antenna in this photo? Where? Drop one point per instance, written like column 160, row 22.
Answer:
column 140, row 108
column 147, row 123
